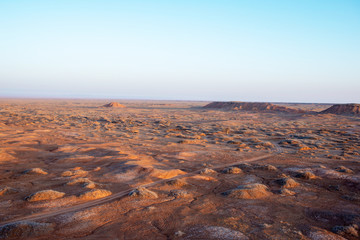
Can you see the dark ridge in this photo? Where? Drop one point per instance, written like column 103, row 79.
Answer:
column 345, row 109
column 252, row 106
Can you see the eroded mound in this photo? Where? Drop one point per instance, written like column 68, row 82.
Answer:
column 207, row 171
column 45, row 195
column 251, row 106
column 249, row 191
column 353, row 109
column 35, row 171
column 114, row 105
column 95, row 194
column 85, row 182
column 232, row 170
column 143, row 193
column 287, row 182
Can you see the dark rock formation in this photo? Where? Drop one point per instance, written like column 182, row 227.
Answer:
column 352, row 108
column 114, row 104
column 251, row 106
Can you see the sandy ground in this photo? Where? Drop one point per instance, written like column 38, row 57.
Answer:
column 206, row 174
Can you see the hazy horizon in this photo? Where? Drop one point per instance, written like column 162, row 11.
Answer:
column 263, row 51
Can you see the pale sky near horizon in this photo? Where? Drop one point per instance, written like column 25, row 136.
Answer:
column 251, row 50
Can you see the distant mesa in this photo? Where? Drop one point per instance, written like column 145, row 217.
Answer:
column 345, row 109
column 251, row 106
column 114, row 105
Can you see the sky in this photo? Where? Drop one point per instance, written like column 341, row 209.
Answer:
column 240, row 50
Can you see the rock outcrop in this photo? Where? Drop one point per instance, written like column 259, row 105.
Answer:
column 114, row 105
column 35, row 171
column 44, row 195
column 249, row 191
column 251, row 106
column 345, row 109
column 95, row 194
column 143, row 193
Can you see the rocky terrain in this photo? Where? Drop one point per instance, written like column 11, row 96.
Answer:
column 252, row 106
column 343, row 109
column 73, row 169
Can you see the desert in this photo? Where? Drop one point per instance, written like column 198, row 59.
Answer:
column 74, row 169
column 179, row 120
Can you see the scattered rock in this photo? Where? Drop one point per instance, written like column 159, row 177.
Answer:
column 265, row 225
column 44, row 195
column 344, row 169
column 232, row 170
column 321, row 234
column 75, row 172
column 34, row 171
column 7, row 191
column 207, row 171
column 287, row 182
column 187, row 141
column 249, row 191
column 326, row 216
column 143, row 193
column 95, row 194
column 84, row 181
column 176, row 182
column 334, row 187
column 352, row 230
column 267, row 167
column 245, row 166
column 267, row 145
column 214, row 232
column 179, row 234
column 352, row 198
column 179, row 194
column 305, row 175
column 286, row 192
column 90, row 185
column 25, row 229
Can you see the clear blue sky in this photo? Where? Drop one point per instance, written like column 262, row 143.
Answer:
column 291, row 51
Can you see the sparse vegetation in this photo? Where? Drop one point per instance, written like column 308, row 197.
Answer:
column 177, row 171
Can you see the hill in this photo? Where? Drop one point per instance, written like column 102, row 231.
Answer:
column 114, row 104
column 251, row 106
column 351, row 108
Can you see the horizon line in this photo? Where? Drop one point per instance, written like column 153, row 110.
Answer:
column 163, row 100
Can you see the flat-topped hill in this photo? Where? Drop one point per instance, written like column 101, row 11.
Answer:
column 251, row 106
column 351, row 108
column 114, row 104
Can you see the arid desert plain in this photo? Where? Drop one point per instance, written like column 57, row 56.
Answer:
column 82, row 169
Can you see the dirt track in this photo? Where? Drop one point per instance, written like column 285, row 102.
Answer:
column 118, row 195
